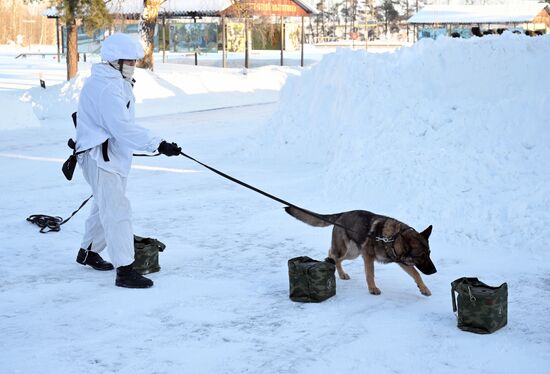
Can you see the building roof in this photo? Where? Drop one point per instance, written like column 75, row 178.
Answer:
column 306, row 6
column 172, row 7
column 512, row 13
column 176, row 8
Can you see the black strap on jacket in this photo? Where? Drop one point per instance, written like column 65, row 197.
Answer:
column 104, row 145
column 105, row 150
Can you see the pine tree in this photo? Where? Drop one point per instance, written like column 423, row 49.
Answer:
column 387, row 13
column 345, row 13
column 321, row 18
column 334, row 19
column 92, row 14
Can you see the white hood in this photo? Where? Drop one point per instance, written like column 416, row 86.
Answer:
column 121, row 46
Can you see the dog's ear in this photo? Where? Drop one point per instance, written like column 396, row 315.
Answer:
column 426, row 233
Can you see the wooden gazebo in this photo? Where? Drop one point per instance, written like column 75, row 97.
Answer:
column 245, row 9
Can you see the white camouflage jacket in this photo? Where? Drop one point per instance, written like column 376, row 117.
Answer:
column 106, row 111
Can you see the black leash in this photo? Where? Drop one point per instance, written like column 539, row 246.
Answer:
column 51, row 223
column 146, row 155
column 244, row 184
column 272, row 197
column 387, row 241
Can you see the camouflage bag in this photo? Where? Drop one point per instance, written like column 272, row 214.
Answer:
column 481, row 308
column 146, row 254
column 311, row 280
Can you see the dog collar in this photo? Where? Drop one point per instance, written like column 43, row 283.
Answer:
column 388, row 242
column 392, row 238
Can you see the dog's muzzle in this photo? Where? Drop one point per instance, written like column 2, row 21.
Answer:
column 427, row 267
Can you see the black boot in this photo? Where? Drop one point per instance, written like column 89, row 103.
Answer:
column 127, row 277
column 87, row 257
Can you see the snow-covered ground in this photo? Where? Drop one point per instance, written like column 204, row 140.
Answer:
column 452, row 133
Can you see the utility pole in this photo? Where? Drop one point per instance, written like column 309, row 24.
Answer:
column 196, row 47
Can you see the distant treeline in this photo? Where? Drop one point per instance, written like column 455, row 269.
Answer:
column 23, row 23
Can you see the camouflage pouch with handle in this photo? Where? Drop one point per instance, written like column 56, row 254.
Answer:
column 146, row 254
column 481, row 308
column 311, row 280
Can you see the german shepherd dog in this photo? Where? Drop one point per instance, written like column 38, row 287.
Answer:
column 375, row 237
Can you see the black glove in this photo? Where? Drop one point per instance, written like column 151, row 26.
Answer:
column 169, row 149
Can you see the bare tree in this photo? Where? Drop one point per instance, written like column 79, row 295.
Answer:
column 334, row 19
column 345, row 14
column 320, row 18
column 387, row 13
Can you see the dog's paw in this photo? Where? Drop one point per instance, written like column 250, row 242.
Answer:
column 425, row 291
column 374, row 291
column 344, row 276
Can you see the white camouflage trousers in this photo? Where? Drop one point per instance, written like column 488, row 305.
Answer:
column 109, row 224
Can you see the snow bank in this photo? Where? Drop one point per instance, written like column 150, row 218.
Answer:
column 57, row 101
column 173, row 88
column 18, row 113
column 452, row 132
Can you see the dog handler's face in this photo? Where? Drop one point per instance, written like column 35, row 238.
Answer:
column 129, row 62
column 128, row 67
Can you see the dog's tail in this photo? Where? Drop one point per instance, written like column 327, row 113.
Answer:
column 311, row 218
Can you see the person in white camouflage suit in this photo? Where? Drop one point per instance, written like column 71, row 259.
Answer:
column 107, row 134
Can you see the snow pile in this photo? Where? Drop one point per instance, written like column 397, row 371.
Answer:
column 58, row 101
column 452, row 132
column 18, row 114
column 172, row 88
